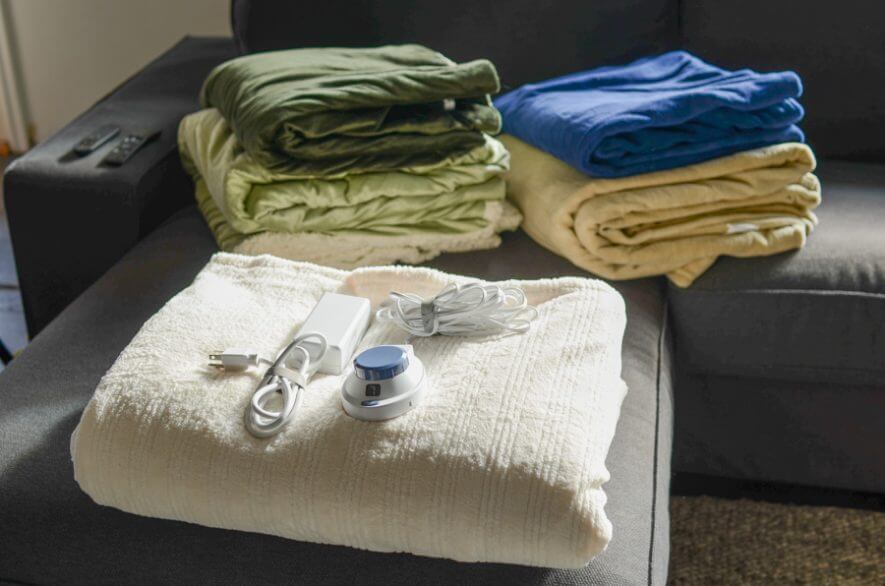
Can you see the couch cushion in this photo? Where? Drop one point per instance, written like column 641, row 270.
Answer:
column 795, row 432
column 525, row 39
column 44, row 390
column 817, row 314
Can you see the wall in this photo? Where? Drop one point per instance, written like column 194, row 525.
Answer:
column 70, row 53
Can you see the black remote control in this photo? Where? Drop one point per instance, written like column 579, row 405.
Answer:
column 95, row 139
column 128, row 146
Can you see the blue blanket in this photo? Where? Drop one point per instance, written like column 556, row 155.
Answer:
column 655, row 113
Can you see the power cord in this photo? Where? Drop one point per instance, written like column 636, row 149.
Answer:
column 472, row 309
column 279, row 378
column 457, row 310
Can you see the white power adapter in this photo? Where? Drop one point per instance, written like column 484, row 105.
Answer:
column 324, row 343
column 342, row 320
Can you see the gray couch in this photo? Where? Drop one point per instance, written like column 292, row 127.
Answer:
column 775, row 365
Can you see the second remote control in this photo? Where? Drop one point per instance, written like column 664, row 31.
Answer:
column 96, row 139
column 128, row 146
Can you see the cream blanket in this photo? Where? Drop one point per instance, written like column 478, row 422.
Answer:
column 503, row 462
column 674, row 222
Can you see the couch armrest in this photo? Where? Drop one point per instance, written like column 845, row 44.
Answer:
column 71, row 219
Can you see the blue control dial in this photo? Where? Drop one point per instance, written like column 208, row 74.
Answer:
column 381, row 363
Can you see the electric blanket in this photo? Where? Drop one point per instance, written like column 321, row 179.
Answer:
column 504, row 460
column 332, row 110
column 349, row 219
column 674, row 222
column 656, row 113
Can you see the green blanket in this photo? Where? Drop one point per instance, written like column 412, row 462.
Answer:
column 328, row 111
column 238, row 196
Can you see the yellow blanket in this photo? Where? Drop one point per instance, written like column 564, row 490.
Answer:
column 674, row 222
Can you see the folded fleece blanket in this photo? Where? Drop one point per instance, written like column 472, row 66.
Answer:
column 675, row 222
column 511, row 471
column 656, row 113
column 348, row 219
column 322, row 111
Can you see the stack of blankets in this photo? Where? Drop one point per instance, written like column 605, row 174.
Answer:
column 349, row 157
column 661, row 166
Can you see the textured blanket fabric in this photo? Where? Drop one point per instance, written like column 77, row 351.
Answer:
column 673, row 223
column 347, row 249
column 349, row 219
column 503, row 462
column 449, row 196
column 332, row 110
column 657, row 113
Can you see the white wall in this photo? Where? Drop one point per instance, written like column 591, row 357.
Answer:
column 70, row 53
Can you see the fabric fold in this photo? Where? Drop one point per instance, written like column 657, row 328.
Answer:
column 656, row 113
column 331, row 110
column 352, row 249
column 348, row 219
column 674, row 222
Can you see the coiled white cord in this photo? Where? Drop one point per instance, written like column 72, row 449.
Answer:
column 472, row 309
column 263, row 422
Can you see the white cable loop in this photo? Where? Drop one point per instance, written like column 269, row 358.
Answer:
column 472, row 309
column 263, row 422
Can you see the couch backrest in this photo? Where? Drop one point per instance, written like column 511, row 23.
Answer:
column 837, row 47
column 527, row 40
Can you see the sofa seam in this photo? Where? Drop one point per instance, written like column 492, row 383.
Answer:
column 742, row 368
column 809, row 292
column 654, row 483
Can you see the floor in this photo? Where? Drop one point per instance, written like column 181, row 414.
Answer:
column 727, row 531
column 742, row 541
column 12, row 319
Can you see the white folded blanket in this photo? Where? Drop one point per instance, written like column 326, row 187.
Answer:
column 504, row 461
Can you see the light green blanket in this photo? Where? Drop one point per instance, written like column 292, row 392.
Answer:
column 239, row 197
column 326, row 111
